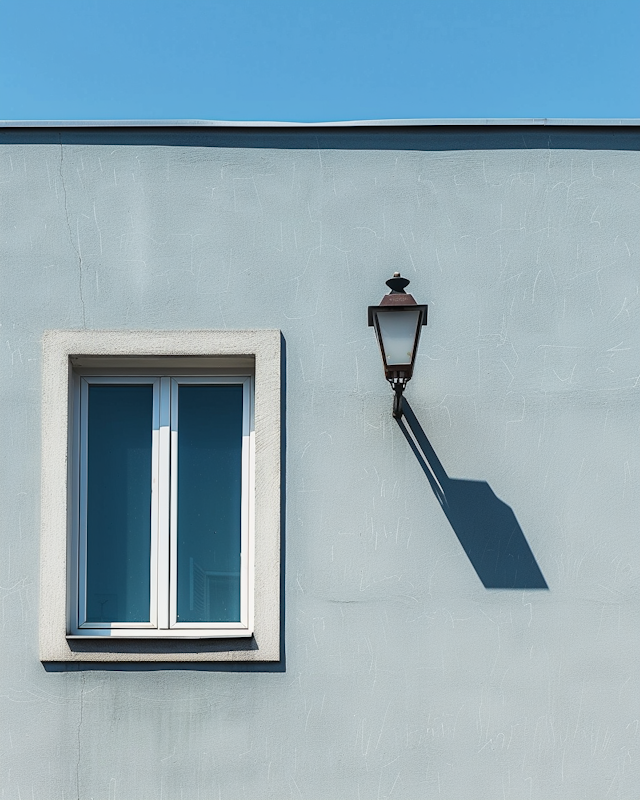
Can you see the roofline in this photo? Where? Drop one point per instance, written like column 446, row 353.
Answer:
column 361, row 123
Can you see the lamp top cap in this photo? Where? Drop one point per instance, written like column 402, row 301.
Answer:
column 397, row 284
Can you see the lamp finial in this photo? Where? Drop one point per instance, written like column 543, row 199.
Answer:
column 397, row 284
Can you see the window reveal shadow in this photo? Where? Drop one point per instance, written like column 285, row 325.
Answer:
column 486, row 527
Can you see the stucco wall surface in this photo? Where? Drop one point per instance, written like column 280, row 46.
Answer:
column 403, row 677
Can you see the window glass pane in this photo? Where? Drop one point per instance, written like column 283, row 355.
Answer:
column 209, row 499
column 119, row 503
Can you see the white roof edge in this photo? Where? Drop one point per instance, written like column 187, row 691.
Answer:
column 360, row 123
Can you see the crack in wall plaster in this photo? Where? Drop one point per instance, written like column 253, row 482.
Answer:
column 82, row 686
column 71, row 242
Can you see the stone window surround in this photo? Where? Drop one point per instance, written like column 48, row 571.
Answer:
column 62, row 350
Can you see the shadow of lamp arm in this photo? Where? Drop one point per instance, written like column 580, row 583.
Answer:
column 486, row 527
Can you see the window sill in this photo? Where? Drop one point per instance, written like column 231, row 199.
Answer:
column 137, row 633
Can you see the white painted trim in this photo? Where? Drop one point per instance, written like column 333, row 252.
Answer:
column 355, row 123
column 164, row 495
column 112, row 348
column 172, row 532
column 77, row 609
column 79, row 612
column 156, row 465
column 243, row 627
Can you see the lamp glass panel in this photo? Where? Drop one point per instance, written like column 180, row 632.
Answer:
column 398, row 335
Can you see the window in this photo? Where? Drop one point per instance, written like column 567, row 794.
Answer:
column 168, row 448
column 163, row 519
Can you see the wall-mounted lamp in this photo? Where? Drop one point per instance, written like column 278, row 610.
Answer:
column 397, row 322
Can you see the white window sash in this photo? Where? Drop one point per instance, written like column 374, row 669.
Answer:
column 245, row 505
column 163, row 556
column 82, row 459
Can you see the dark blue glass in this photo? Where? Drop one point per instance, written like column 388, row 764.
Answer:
column 209, row 502
column 119, row 502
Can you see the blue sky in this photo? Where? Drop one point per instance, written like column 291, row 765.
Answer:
column 316, row 60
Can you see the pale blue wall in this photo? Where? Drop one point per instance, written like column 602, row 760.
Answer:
column 404, row 676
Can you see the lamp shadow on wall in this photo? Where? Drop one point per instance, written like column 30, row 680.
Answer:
column 486, row 527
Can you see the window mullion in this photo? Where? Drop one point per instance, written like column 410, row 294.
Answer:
column 173, row 528
column 246, row 571
column 155, row 458
column 164, row 488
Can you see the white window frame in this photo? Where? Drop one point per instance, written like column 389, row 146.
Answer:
column 164, row 521
column 72, row 359
column 245, row 626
